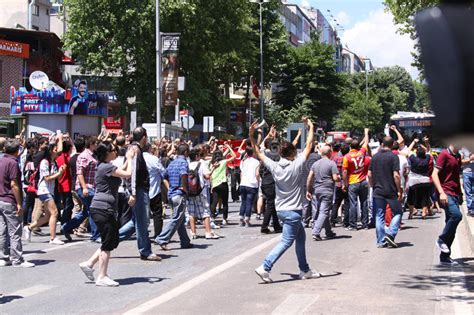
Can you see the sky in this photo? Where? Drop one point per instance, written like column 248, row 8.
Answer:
column 369, row 31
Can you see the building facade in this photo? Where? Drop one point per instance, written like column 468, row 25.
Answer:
column 297, row 23
column 14, row 14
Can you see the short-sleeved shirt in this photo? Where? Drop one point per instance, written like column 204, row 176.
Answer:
column 177, row 168
column 382, row 166
column 248, row 177
column 288, row 182
column 9, row 171
column 354, row 163
column 155, row 171
column 449, row 166
column 106, row 187
column 219, row 175
column 86, row 165
column 46, row 169
column 469, row 167
column 323, row 182
column 65, row 181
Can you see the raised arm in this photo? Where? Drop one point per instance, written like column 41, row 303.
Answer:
column 365, row 141
column 232, row 152
column 309, row 139
column 297, row 138
column 255, row 147
column 400, row 139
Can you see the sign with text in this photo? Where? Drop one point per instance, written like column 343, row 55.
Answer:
column 208, row 124
column 169, row 46
column 14, row 49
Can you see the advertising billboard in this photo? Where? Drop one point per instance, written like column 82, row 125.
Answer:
column 77, row 101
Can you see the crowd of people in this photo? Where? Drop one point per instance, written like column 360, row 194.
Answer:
column 112, row 187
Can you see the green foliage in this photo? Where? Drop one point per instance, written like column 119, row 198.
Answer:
column 309, row 77
column 422, row 102
column 360, row 113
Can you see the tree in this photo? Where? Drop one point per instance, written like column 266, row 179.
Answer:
column 422, row 102
column 309, row 77
column 360, row 113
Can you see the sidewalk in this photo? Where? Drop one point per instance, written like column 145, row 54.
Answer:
column 469, row 222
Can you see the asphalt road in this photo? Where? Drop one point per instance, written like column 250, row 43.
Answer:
column 217, row 276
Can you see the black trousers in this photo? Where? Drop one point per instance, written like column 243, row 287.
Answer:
column 124, row 210
column 234, row 183
column 221, row 191
column 156, row 208
column 268, row 192
column 339, row 197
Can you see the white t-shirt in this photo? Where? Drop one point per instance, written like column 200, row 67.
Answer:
column 202, row 170
column 45, row 169
column 403, row 166
column 248, row 176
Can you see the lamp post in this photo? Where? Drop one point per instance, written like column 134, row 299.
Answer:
column 158, row 71
column 261, row 2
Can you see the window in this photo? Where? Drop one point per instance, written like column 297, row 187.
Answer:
column 36, row 10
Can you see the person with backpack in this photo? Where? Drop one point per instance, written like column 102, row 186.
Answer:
column 44, row 180
column 198, row 206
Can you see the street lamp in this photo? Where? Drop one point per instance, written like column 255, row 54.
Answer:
column 158, row 70
column 261, row 2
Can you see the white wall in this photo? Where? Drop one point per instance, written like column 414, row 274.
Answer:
column 12, row 12
column 46, row 124
column 85, row 125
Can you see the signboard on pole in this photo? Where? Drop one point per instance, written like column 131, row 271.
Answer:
column 170, row 45
column 208, row 124
column 133, row 120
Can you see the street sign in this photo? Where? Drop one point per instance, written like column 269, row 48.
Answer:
column 133, row 120
column 183, row 112
column 188, row 122
column 181, row 83
column 208, row 124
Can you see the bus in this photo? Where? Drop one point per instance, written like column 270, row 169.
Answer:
column 414, row 125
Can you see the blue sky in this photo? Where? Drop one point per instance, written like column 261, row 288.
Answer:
column 369, row 31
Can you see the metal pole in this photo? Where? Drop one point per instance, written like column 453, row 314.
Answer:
column 158, row 71
column 261, row 65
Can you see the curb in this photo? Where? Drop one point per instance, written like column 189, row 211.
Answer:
column 469, row 223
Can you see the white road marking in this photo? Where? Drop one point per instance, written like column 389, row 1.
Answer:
column 36, row 289
column 56, row 247
column 458, row 289
column 188, row 285
column 295, row 304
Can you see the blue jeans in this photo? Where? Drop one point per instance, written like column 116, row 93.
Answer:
column 81, row 216
column 248, row 195
column 293, row 230
column 468, row 181
column 453, row 217
column 139, row 223
column 380, row 205
column 361, row 191
column 178, row 205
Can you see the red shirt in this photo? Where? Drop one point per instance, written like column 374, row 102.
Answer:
column 355, row 164
column 65, row 181
column 449, row 166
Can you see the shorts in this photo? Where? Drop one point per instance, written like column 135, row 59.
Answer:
column 420, row 195
column 108, row 226
column 198, row 207
column 45, row 197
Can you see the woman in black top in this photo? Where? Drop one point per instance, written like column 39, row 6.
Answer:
column 104, row 210
column 419, row 182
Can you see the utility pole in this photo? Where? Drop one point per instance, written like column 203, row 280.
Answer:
column 158, row 71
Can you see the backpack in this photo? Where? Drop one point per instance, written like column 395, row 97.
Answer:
column 33, row 180
column 194, row 185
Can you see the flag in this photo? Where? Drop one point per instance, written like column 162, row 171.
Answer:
column 255, row 88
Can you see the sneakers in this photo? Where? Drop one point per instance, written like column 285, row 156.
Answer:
column 330, row 235
column 88, row 271
column 214, row 226
column 212, row 236
column 258, row 217
column 350, row 228
column 5, row 262
column 442, row 246
column 152, row 257
column 193, row 236
column 224, row 222
column 67, row 235
column 106, row 282
column 448, row 262
column 265, row 231
column 242, row 223
column 263, row 274
column 309, row 275
column 25, row 264
column 382, row 245
column 56, row 241
column 317, row 237
column 390, row 241
column 247, row 224
column 27, row 233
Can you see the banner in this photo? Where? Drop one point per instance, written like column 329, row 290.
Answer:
column 169, row 47
column 14, row 49
column 77, row 101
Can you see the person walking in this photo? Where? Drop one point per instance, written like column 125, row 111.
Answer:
column 355, row 181
column 11, row 209
column 384, row 178
column 468, row 179
column 340, row 196
column 104, row 210
column 289, row 202
column 177, row 177
column 248, row 185
column 320, row 191
column 446, row 178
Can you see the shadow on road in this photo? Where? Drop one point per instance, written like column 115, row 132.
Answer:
column 33, row 252
column 42, row 262
column 135, row 280
column 9, row 298
column 404, row 244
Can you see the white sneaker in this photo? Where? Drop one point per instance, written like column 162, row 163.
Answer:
column 106, row 282
column 224, row 222
column 309, row 275
column 27, row 233
column 212, row 236
column 263, row 274
column 214, row 226
column 25, row 264
column 56, row 241
column 88, row 271
column 5, row 262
